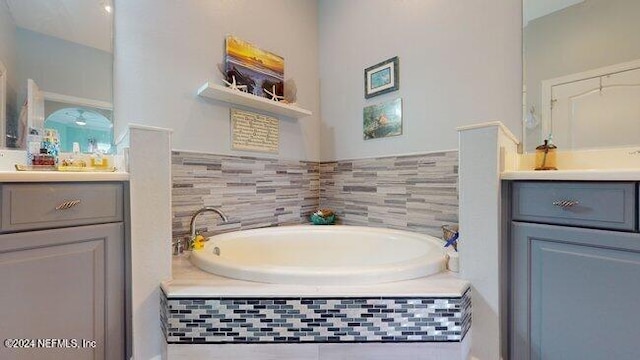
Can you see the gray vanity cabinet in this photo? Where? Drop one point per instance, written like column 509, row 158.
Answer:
column 65, row 280
column 574, row 290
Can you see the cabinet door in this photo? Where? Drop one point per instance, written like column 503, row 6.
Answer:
column 575, row 293
column 64, row 284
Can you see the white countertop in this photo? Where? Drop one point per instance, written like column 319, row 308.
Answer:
column 575, row 175
column 189, row 281
column 49, row 176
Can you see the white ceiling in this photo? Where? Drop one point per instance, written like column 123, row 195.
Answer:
column 533, row 9
column 80, row 21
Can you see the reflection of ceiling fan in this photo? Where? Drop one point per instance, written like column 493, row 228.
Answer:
column 80, row 119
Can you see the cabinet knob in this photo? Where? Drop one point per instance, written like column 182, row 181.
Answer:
column 67, row 204
column 565, row 203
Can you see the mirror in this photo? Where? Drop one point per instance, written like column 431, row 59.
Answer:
column 581, row 73
column 61, row 51
column 90, row 128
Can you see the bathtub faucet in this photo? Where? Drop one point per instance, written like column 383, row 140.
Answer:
column 192, row 224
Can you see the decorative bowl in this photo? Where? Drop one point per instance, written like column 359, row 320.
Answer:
column 319, row 220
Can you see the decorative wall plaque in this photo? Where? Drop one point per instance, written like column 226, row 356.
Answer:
column 254, row 132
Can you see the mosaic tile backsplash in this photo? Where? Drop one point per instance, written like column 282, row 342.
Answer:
column 253, row 192
column 316, row 320
column 414, row 192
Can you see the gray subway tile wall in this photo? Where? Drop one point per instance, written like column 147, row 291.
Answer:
column 254, row 192
column 412, row 192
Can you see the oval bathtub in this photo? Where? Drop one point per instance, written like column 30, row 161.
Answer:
column 321, row 255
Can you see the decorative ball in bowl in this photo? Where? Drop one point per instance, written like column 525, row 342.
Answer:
column 323, row 217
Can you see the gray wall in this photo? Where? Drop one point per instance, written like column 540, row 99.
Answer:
column 8, row 57
column 460, row 63
column 7, row 39
column 165, row 50
column 63, row 67
column 582, row 37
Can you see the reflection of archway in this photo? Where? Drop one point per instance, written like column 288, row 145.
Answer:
column 83, row 125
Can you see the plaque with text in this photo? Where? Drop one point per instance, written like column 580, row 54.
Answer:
column 254, row 132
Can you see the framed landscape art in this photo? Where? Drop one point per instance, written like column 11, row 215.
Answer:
column 382, row 78
column 382, row 120
column 257, row 69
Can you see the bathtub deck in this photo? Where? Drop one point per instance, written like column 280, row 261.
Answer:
column 189, row 282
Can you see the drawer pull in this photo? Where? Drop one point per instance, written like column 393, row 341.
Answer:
column 565, row 204
column 67, row 204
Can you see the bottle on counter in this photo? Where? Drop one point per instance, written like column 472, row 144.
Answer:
column 546, row 156
column 75, row 159
column 34, row 143
column 99, row 160
column 44, row 158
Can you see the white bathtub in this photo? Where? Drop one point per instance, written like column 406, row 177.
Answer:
column 321, row 255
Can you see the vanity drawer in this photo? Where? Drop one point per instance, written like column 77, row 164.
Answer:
column 596, row 205
column 40, row 206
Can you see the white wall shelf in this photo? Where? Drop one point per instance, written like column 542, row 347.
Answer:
column 222, row 93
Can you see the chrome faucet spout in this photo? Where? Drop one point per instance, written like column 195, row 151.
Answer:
column 192, row 227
